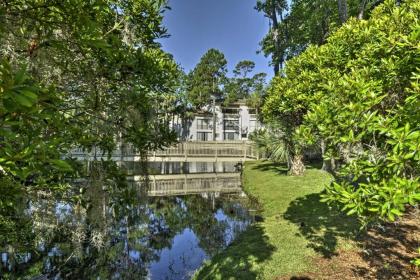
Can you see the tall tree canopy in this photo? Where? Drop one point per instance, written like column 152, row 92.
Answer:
column 207, row 78
column 294, row 27
column 274, row 43
column 243, row 86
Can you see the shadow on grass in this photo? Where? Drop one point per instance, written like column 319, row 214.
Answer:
column 320, row 224
column 278, row 168
column 237, row 260
column 313, row 164
column 281, row 167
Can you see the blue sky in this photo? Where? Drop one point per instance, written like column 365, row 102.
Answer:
column 232, row 26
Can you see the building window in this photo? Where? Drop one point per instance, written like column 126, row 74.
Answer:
column 203, row 124
column 203, row 136
column 231, row 124
column 230, row 135
column 234, row 111
column 202, row 167
column 252, row 125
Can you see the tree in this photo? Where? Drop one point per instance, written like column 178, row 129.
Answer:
column 275, row 43
column 206, row 78
column 244, row 83
column 245, row 87
column 96, row 57
column 368, row 114
column 295, row 26
column 283, row 109
column 258, row 92
column 243, row 68
column 342, row 10
column 78, row 74
column 359, row 94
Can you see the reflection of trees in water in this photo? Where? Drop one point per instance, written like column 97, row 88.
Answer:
column 102, row 233
column 199, row 214
column 114, row 231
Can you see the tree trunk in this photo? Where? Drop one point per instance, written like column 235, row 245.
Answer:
column 342, row 10
column 326, row 166
column 297, row 167
column 362, row 9
column 276, row 63
column 289, row 162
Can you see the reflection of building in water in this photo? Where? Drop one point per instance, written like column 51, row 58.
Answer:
column 233, row 122
column 154, row 168
column 183, row 184
column 206, row 167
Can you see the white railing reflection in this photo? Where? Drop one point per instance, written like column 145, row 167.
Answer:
column 184, row 184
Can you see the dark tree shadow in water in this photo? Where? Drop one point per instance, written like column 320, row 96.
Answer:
column 235, row 262
column 320, row 224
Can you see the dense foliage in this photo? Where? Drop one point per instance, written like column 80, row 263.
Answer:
column 206, row 79
column 209, row 79
column 270, row 143
column 77, row 74
column 245, row 86
column 296, row 24
column 359, row 95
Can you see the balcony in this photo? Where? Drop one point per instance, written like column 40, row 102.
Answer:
column 231, row 116
column 203, row 127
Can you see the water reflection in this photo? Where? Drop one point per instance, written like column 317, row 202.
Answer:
column 154, row 168
column 122, row 230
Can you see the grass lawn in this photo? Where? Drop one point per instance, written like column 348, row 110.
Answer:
column 296, row 227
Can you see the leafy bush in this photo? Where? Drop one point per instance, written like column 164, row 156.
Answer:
column 270, row 145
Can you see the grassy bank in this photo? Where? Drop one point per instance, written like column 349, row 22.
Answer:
column 296, row 227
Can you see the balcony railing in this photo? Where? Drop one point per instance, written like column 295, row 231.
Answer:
column 240, row 149
column 203, row 126
column 231, row 116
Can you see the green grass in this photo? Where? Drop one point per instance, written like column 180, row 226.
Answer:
column 296, row 227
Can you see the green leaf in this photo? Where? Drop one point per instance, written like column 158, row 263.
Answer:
column 20, row 76
column 23, row 100
column 396, row 212
column 61, row 165
column 352, row 211
column 351, row 135
column 30, row 95
column 9, row 105
column 415, row 196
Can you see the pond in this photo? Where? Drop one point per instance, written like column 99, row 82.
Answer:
column 131, row 227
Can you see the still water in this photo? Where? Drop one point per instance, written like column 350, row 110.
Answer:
column 129, row 227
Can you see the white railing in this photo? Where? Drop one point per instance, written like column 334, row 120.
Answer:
column 216, row 149
column 242, row 149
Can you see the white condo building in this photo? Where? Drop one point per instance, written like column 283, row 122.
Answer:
column 233, row 122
